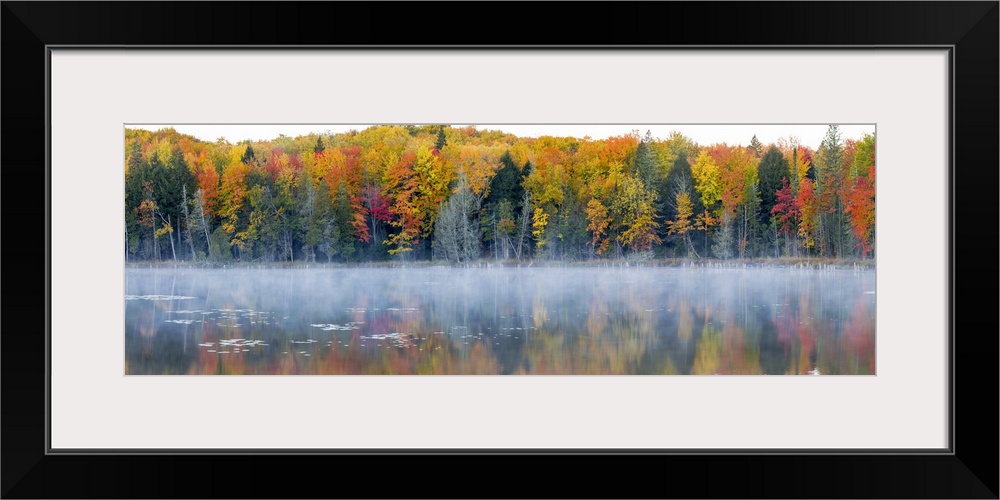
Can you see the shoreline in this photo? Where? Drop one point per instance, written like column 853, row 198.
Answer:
column 777, row 263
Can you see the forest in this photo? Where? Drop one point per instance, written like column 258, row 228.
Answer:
column 462, row 195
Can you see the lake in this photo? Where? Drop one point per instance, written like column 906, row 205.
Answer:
column 500, row 321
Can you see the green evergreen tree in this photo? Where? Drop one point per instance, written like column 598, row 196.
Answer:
column 679, row 181
column 645, row 166
column 506, row 190
column 343, row 230
column 756, row 146
column 220, row 248
column 309, row 232
column 134, row 176
column 506, row 183
column 441, row 139
column 321, row 225
column 832, row 175
column 248, row 155
column 773, row 167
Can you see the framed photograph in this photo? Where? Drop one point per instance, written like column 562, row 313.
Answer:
column 517, row 250
column 367, row 340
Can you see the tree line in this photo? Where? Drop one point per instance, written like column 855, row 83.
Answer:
column 455, row 194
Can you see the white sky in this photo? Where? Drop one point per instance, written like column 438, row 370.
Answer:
column 808, row 135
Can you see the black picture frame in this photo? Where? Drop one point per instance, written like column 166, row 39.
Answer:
column 968, row 470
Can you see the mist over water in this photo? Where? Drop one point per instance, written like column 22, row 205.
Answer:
column 464, row 321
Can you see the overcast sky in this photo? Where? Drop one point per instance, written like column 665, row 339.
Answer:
column 808, row 135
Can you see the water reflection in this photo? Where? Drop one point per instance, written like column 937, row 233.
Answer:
column 647, row 321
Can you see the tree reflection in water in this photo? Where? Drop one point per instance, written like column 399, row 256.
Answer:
column 558, row 321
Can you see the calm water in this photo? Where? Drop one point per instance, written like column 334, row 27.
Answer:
column 647, row 321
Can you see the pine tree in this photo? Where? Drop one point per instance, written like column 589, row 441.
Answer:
column 322, row 224
column 773, row 167
column 830, row 188
column 248, row 155
column 756, row 146
column 679, row 181
column 506, row 183
column 645, row 166
column 343, row 231
column 441, row 139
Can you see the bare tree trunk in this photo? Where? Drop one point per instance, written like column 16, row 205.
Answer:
column 187, row 221
column 170, row 234
column 707, row 251
column 204, row 223
column 525, row 210
column 743, row 235
column 690, row 246
column 156, row 243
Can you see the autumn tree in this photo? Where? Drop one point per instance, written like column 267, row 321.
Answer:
column 859, row 205
column 708, row 186
column 382, row 190
column 379, row 213
column 806, row 204
column 707, row 180
column 738, row 195
column 633, row 207
column 786, row 215
column 208, row 184
column 232, row 196
column 419, row 183
column 433, row 185
column 670, row 148
column 547, row 184
column 402, row 182
column 599, row 217
column 683, row 224
column 286, row 209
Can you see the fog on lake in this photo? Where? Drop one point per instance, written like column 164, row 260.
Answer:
column 499, row 321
